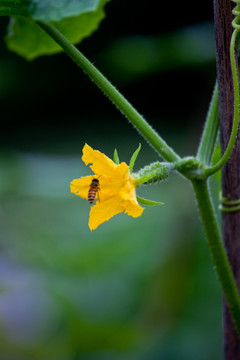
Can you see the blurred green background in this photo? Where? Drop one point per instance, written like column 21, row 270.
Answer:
column 142, row 289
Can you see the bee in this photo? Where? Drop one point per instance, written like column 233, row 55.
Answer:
column 93, row 190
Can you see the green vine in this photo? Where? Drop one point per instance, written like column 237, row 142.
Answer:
column 217, row 250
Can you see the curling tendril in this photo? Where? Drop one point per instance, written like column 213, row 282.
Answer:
column 236, row 25
column 236, row 13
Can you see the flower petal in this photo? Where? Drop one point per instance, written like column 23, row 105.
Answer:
column 132, row 208
column 80, row 186
column 129, row 200
column 121, row 172
column 101, row 164
column 104, row 210
column 112, row 185
column 116, row 191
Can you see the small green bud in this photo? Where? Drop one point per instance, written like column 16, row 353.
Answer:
column 152, row 173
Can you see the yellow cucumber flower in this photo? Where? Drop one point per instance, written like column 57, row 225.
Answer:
column 115, row 190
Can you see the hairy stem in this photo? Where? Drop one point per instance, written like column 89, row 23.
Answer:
column 112, row 93
column 217, row 250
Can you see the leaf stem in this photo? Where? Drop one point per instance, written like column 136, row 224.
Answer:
column 112, row 93
column 229, row 149
column 217, row 250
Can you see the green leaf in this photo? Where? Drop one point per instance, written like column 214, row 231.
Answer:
column 51, row 10
column 27, row 39
column 55, row 10
column 133, row 158
column 210, row 132
column 148, row 202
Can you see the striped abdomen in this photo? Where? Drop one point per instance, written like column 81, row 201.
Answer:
column 93, row 189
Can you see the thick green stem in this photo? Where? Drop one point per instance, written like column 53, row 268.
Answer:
column 112, row 93
column 217, row 250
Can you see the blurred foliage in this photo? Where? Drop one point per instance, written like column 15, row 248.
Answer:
column 135, row 288
column 139, row 289
column 137, row 56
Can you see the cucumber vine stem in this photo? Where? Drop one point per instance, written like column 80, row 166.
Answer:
column 217, row 250
column 112, row 93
